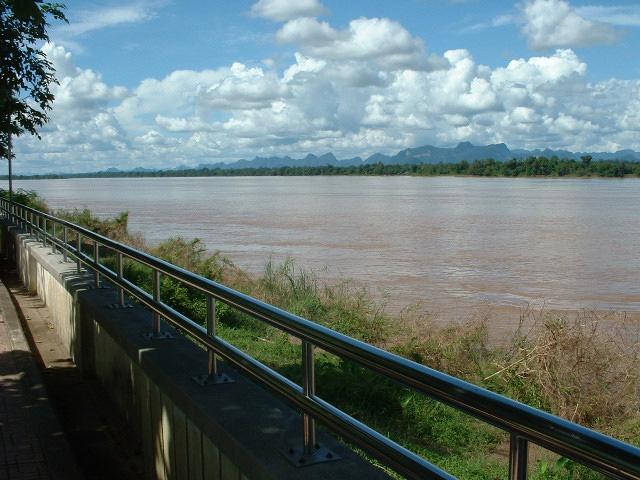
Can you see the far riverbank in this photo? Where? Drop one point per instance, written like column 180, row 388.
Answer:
column 553, row 167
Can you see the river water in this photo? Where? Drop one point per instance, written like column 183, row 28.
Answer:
column 444, row 242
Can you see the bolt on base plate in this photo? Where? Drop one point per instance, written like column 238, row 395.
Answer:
column 299, row 458
column 205, row 379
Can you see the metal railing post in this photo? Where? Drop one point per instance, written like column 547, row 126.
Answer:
column 156, row 298
column 518, row 458
column 309, row 390
column 79, row 251
column 44, row 233
column 96, row 256
column 120, row 276
column 214, row 373
column 211, row 332
column 64, row 246
column 311, row 452
column 156, row 332
column 53, row 240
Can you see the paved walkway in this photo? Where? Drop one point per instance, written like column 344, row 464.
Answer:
column 32, row 443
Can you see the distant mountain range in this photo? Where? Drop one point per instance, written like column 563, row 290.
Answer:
column 426, row 154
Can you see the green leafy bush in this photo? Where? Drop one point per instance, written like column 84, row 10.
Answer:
column 30, row 198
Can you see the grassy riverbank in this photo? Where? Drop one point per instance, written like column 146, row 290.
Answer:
column 567, row 365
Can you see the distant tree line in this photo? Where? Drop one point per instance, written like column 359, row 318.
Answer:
column 529, row 167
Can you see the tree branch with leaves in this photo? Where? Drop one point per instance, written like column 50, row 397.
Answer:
column 25, row 73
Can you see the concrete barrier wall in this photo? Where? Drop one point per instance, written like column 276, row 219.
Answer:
column 229, row 431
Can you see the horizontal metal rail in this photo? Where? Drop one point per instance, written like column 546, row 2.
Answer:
column 525, row 424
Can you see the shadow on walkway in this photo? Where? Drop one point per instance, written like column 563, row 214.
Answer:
column 103, row 444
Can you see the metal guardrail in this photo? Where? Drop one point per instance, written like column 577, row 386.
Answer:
column 525, row 424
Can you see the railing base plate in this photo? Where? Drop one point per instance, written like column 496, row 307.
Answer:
column 115, row 306
column 205, row 379
column 157, row 336
column 299, row 458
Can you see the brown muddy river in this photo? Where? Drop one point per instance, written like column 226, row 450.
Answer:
column 446, row 242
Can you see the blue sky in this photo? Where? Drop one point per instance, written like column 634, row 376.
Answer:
column 167, row 82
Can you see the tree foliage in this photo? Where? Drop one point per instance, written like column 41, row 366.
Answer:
column 25, row 72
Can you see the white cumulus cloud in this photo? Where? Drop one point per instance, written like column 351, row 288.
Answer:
column 555, row 23
column 79, row 91
column 620, row 15
column 379, row 40
column 282, row 10
column 244, row 88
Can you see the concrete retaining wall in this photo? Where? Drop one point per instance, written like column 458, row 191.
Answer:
column 229, row 431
